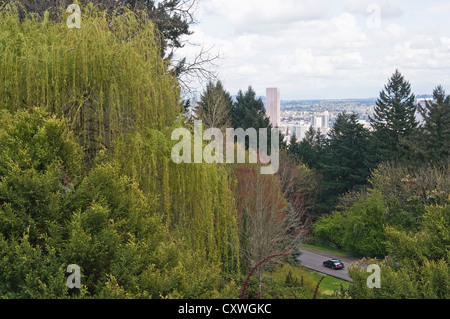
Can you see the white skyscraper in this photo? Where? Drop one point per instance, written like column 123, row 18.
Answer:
column 300, row 131
column 321, row 121
column 273, row 106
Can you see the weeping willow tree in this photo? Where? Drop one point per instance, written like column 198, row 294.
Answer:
column 107, row 80
column 196, row 200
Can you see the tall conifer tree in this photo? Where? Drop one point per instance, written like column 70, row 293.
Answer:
column 346, row 167
column 311, row 148
column 249, row 111
column 214, row 108
column 394, row 118
column 435, row 141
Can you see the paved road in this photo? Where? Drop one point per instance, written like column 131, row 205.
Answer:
column 313, row 260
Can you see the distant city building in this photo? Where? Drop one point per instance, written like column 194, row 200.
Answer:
column 298, row 116
column 298, row 129
column 321, row 121
column 273, row 106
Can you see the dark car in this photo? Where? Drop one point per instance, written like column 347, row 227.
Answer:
column 334, row 264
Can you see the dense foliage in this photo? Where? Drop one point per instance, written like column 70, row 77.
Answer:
column 385, row 192
column 86, row 176
column 418, row 266
column 171, row 17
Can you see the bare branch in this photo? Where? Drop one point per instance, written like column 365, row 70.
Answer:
column 198, row 72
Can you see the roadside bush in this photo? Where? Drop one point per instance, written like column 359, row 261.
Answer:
column 407, row 191
column 360, row 230
column 364, row 235
column 331, row 229
column 418, row 263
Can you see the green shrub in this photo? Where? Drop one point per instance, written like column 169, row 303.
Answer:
column 365, row 225
column 360, row 230
column 288, row 282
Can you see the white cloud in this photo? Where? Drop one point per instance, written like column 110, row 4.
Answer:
column 438, row 8
column 422, row 54
column 306, row 47
column 256, row 16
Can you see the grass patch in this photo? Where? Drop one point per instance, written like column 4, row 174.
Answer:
column 285, row 282
column 329, row 284
column 294, row 282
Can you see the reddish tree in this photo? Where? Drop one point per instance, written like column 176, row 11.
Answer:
column 300, row 189
column 266, row 226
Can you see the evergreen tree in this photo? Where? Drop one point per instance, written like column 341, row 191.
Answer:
column 215, row 106
column 310, row 149
column 306, row 151
column 320, row 143
column 294, row 146
column 282, row 142
column 249, row 111
column 346, row 166
column 435, row 141
column 394, row 118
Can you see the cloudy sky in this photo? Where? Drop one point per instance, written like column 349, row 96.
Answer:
column 326, row 48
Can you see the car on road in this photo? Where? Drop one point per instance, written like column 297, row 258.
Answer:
column 334, row 264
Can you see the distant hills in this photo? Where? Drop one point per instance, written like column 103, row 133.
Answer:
column 370, row 101
column 338, row 103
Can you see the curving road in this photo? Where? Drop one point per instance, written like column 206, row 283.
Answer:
column 313, row 259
